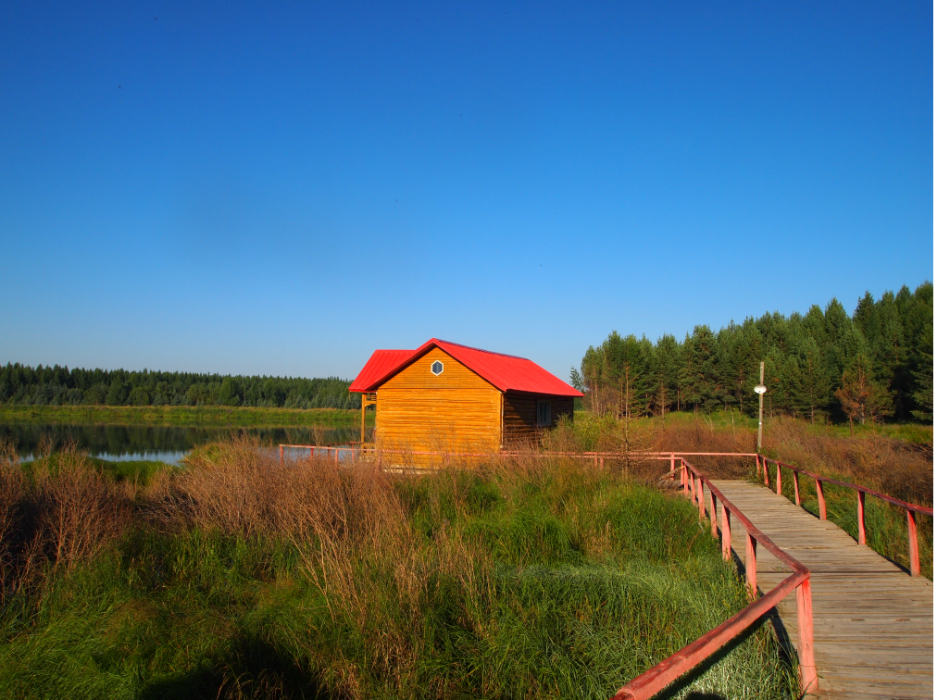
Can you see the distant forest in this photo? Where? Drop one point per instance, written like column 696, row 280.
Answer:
column 873, row 366
column 41, row 386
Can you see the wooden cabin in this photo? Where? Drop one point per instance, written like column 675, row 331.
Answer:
column 445, row 397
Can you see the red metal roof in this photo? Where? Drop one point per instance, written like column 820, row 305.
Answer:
column 505, row 372
column 380, row 363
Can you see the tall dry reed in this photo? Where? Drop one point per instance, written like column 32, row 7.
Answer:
column 893, row 466
column 351, row 529
column 59, row 512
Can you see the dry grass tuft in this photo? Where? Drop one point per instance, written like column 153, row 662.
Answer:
column 893, row 466
column 57, row 513
column 243, row 488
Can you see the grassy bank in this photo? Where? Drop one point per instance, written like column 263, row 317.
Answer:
column 138, row 471
column 235, row 578
column 203, row 416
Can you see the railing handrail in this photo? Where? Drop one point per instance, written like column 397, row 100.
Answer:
column 914, row 559
column 760, row 536
column 865, row 489
column 510, row 453
column 663, row 674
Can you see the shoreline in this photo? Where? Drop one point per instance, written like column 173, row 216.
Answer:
column 200, row 416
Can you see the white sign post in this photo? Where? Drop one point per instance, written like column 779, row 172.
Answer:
column 760, row 390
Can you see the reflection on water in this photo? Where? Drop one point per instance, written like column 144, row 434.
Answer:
column 162, row 443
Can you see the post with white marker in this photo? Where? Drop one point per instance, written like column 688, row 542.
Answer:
column 760, row 390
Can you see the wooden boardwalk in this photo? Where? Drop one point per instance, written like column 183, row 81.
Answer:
column 873, row 624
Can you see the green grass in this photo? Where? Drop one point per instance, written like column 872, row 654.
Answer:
column 139, row 471
column 553, row 584
column 207, row 416
column 886, row 525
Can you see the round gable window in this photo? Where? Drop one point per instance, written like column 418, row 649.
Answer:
column 437, row 367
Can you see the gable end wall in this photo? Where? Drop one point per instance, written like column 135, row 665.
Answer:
column 456, row 411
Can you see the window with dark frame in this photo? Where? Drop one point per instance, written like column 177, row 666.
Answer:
column 544, row 414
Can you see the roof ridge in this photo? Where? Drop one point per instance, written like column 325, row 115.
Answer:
column 488, row 352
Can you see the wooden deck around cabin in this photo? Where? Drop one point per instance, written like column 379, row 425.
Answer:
column 873, row 624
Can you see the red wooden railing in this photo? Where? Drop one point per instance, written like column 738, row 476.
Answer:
column 693, row 483
column 914, row 563
column 597, row 457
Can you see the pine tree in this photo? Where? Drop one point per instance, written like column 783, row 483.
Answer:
column 667, row 369
column 813, row 389
column 703, row 368
column 923, row 394
column 726, row 364
column 861, row 397
column 576, row 379
column 777, row 398
column 117, row 394
column 688, row 385
column 749, row 352
column 628, row 371
column 837, row 326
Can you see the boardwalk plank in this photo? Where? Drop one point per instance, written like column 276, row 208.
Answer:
column 873, row 624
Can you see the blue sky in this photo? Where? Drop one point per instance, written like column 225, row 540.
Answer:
column 243, row 188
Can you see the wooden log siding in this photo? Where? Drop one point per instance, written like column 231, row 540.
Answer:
column 520, row 416
column 456, row 411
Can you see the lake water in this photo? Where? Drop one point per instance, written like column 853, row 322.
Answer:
column 162, row 443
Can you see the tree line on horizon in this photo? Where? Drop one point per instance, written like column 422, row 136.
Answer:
column 823, row 365
column 60, row 386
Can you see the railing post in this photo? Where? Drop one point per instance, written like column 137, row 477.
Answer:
column 806, row 637
column 751, row 565
column 684, row 479
column 821, row 503
column 797, row 490
column 701, row 506
column 713, row 514
column 765, row 471
column 778, row 478
column 726, row 542
column 861, row 515
column 281, row 453
column 758, row 467
column 914, row 562
column 672, row 463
